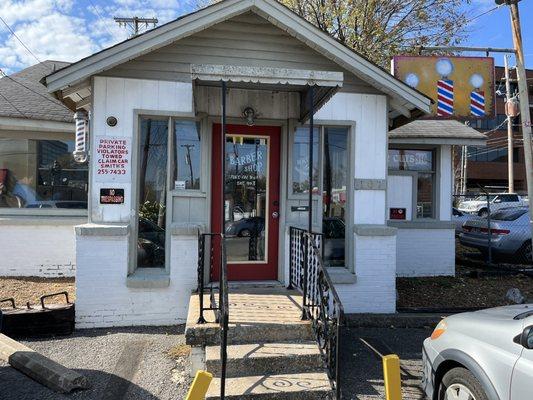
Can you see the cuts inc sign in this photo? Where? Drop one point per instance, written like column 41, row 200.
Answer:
column 113, row 162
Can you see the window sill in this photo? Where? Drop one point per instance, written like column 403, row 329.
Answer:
column 148, row 278
column 422, row 224
column 341, row 275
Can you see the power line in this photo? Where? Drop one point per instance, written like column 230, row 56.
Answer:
column 12, row 105
column 28, row 88
column 21, row 42
column 100, row 17
column 483, row 13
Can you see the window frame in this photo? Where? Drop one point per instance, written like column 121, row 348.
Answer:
column 436, row 173
column 46, row 212
column 351, row 132
column 170, row 117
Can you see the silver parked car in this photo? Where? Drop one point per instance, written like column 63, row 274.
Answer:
column 510, row 234
column 482, row 355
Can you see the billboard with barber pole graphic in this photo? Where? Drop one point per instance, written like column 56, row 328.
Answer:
column 461, row 87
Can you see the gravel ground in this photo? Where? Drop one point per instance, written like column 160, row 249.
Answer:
column 363, row 371
column 146, row 363
column 32, row 288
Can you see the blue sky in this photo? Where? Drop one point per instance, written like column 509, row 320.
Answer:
column 71, row 29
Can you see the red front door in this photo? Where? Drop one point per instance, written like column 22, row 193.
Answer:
column 251, row 200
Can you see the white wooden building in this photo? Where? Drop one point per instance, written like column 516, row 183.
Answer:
column 155, row 107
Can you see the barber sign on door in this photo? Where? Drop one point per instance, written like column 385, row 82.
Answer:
column 113, row 159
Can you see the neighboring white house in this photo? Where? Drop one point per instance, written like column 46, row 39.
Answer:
column 155, row 150
column 43, row 192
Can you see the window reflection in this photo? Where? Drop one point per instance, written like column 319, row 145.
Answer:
column 153, row 146
column 335, row 180
column 41, row 174
column 187, row 155
column 245, row 197
column 300, row 161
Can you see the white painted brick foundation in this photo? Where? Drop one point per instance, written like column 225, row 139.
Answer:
column 103, row 297
column 375, row 266
column 44, row 250
column 425, row 252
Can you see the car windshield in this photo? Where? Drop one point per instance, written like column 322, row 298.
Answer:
column 508, row 215
column 484, row 198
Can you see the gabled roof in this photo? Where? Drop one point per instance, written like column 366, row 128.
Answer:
column 28, row 98
column 437, row 131
column 404, row 97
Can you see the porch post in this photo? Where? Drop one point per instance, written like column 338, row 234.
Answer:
column 307, row 248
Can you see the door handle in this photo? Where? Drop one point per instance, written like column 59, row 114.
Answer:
column 275, row 215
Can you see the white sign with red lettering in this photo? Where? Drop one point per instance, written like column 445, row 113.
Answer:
column 113, row 159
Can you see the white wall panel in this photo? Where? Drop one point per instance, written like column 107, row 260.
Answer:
column 446, row 183
column 400, row 194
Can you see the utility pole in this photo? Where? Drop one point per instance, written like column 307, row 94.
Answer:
column 135, row 22
column 508, row 95
column 525, row 116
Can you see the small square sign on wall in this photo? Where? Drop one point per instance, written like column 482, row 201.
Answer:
column 397, row 213
column 111, row 196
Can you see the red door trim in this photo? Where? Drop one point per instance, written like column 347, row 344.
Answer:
column 255, row 271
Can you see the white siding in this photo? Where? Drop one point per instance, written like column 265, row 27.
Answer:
column 119, row 97
column 400, row 194
column 43, row 249
column 446, row 183
column 246, row 39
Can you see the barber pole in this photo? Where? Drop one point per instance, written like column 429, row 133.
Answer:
column 445, row 98
column 477, row 103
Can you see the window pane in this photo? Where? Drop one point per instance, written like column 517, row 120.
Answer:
column 187, row 155
column 410, row 160
column 153, row 147
column 300, row 161
column 41, row 174
column 424, row 198
column 335, row 181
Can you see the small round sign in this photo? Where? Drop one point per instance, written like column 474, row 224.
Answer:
column 111, row 121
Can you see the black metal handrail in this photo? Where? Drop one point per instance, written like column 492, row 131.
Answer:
column 321, row 303
column 222, row 308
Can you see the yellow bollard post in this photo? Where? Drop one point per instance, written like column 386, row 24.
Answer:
column 199, row 386
column 391, row 374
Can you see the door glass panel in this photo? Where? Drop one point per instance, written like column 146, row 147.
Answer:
column 245, row 198
column 335, row 181
column 153, row 145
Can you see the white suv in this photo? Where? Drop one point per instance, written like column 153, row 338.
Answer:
column 482, row 355
column 498, row 200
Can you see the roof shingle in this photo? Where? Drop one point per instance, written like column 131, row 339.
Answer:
column 29, row 98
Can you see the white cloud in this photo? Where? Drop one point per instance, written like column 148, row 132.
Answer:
column 68, row 30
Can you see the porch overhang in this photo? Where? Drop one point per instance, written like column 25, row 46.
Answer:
column 325, row 83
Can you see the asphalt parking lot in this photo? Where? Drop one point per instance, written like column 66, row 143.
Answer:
column 363, row 371
column 133, row 363
column 120, row 363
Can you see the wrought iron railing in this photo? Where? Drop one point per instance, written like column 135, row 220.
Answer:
column 321, row 303
column 221, row 309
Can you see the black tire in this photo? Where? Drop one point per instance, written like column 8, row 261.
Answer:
column 483, row 213
column 245, row 233
column 461, row 376
column 524, row 253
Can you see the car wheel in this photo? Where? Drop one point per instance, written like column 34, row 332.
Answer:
column 483, row 213
column 524, row 254
column 245, row 233
column 460, row 384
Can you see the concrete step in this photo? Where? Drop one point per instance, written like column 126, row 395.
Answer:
column 240, row 333
column 299, row 386
column 265, row 358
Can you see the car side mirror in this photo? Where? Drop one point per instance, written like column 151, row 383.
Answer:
column 526, row 338
column 497, row 200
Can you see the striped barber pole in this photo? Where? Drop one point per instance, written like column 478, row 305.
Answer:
column 445, row 98
column 477, row 104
